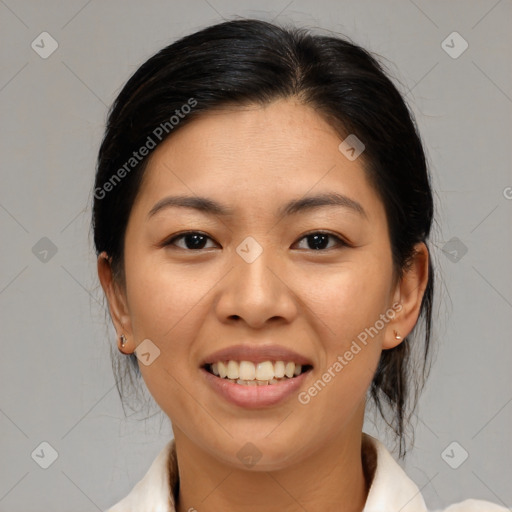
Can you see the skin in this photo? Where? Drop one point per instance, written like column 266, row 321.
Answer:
column 191, row 302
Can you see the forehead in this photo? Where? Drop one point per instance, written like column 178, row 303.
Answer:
column 255, row 156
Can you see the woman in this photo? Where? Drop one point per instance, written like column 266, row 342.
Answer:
column 261, row 217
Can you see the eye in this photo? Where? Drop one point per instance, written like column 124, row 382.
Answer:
column 319, row 240
column 192, row 239
column 195, row 240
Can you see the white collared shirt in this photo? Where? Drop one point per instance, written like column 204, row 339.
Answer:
column 391, row 489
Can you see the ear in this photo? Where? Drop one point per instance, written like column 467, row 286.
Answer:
column 117, row 304
column 409, row 293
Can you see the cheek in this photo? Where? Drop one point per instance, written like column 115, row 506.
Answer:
column 167, row 307
column 349, row 355
column 350, row 305
column 163, row 298
column 349, row 300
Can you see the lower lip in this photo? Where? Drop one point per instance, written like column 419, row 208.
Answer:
column 253, row 397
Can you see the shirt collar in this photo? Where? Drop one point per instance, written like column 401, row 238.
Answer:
column 391, row 488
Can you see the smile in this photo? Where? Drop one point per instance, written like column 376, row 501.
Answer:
column 248, row 373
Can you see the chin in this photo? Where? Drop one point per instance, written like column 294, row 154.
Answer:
column 261, row 454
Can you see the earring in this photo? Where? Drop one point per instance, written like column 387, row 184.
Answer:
column 123, row 340
column 397, row 335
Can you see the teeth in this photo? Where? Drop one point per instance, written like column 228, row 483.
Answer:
column 255, row 374
column 265, row 371
column 279, row 369
column 289, row 370
column 246, row 382
column 247, row 370
column 223, row 371
column 233, row 372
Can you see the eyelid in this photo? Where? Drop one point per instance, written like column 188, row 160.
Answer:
column 172, row 239
column 340, row 240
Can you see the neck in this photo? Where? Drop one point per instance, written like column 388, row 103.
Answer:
column 330, row 479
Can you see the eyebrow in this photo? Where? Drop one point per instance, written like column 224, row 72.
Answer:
column 212, row 207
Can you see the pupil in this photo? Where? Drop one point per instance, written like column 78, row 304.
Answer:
column 322, row 237
column 198, row 241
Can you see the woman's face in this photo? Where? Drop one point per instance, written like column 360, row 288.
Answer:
column 252, row 278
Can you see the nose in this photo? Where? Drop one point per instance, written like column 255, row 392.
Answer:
column 257, row 292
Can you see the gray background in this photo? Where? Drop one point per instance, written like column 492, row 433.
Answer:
column 55, row 376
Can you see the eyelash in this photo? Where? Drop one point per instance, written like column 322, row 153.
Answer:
column 340, row 241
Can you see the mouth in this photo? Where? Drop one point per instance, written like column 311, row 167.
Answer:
column 263, row 373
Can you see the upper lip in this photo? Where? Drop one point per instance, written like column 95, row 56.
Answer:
column 256, row 354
